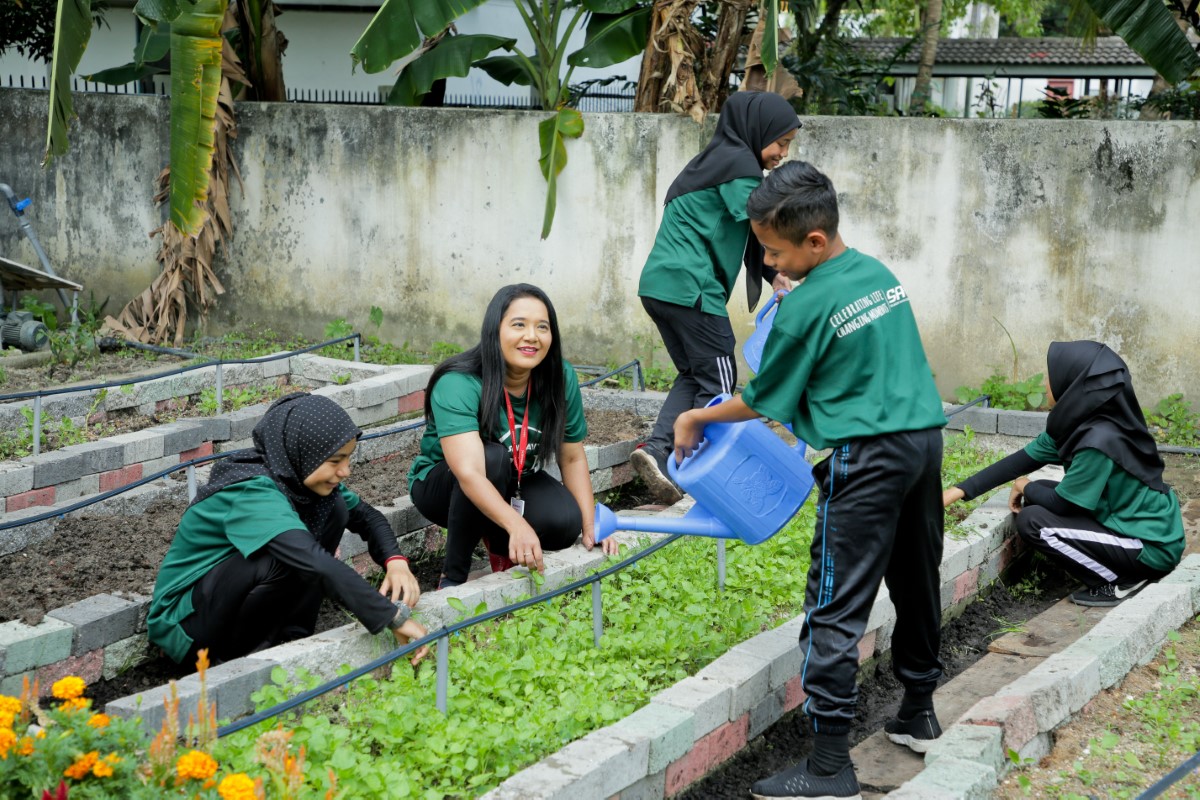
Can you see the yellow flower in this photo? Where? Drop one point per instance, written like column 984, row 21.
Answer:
column 82, row 766
column 9, row 708
column 195, row 764
column 104, row 769
column 99, row 721
column 25, row 746
column 236, row 787
column 68, row 688
column 75, row 704
column 7, row 740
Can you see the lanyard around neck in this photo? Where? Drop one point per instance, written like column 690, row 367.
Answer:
column 518, row 452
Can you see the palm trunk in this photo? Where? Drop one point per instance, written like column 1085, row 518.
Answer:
column 932, row 23
column 668, row 77
column 714, row 83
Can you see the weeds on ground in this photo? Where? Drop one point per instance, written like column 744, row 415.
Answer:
column 962, row 457
column 1129, row 748
column 1172, row 421
column 234, row 398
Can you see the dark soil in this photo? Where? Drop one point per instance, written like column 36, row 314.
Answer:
column 107, row 367
column 964, row 641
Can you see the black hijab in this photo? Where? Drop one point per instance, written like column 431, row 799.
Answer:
column 1096, row 408
column 299, row 432
column 749, row 122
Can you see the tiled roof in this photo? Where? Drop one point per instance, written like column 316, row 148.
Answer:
column 1109, row 51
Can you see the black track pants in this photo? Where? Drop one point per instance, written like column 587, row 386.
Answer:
column 701, row 348
column 879, row 518
column 550, row 509
column 1090, row 552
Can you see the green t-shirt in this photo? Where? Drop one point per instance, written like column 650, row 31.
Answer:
column 455, row 406
column 699, row 247
column 240, row 518
column 844, row 358
column 1120, row 501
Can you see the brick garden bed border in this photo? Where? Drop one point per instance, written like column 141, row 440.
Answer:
column 101, row 635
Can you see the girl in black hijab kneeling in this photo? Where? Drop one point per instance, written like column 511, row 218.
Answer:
column 1111, row 522
column 254, row 552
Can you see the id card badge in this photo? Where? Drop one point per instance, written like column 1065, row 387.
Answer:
column 518, row 505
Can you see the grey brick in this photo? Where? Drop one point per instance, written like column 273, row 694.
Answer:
column 280, row 366
column 75, row 405
column 1021, row 423
column 611, row 455
column 229, row 688
column 12, row 685
column 215, row 429
column 179, row 436
column 670, row 731
column 410, row 377
column 709, row 701
column 24, row 647
column 57, row 466
column 604, row 764
column 157, row 464
column 781, row 650
column 980, row 420
column 14, row 540
column 376, row 390
column 651, row 787
column 342, row 395
column 100, row 456
column 98, row 621
column 745, row 673
column 982, row 744
column 125, row 655
column 242, row 421
column 149, row 705
column 73, row 490
column 232, row 444
column 767, row 712
column 139, row 446
column 371, row 415
column 352, row 544
column 15, row 478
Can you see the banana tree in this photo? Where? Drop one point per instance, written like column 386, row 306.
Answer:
column 1149, row 27
column 615, row 31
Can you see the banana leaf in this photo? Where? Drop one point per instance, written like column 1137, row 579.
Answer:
column 399, row 27
column 72, row 29
column 565, row 122
column 611, row 6
column 613, row 38
column 154, row 45
column 195, row 83
column 507, row 69
column 450, row 58
column 1151, row 30
column 770, row 42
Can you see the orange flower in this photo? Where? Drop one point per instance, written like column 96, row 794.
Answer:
column 103, row 769
column 237, row 787
column 7, row 740
column 9, row 708
column 75, row 704
column 25, row 746
column 195, row 764
column 99, row 720
column 68, row 688
column 82, row 766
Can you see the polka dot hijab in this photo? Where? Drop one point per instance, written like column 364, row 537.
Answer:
column 299, row 432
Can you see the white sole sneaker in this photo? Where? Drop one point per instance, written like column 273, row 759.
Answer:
column 660, row 486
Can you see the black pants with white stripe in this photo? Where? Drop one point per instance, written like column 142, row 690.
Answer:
column 1083, row 547
column 701, row 348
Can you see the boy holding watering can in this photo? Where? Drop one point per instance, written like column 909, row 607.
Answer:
column 844, row 364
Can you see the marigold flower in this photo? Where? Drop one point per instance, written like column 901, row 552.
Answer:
column 236, row 787
column 7, row 740
column 99, row 720
column 25, row 746
column 68, row 688
column 195, row 764
column 103, row 769
column 83, row 765
column 75, row 704
column 9, row 708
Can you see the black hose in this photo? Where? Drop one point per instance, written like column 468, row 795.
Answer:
column 113, row 343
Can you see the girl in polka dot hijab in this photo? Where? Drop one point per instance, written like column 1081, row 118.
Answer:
column 297, row 434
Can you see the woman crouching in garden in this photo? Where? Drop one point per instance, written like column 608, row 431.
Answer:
column 254, row 553
column 495, row 414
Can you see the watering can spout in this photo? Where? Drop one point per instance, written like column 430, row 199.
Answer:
column 697, row 522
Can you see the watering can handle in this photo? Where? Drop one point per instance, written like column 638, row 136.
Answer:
column 767, row 309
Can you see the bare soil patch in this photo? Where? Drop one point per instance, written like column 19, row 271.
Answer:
column 106, row 367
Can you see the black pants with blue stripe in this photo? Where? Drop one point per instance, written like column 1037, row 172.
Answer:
column 879, row 518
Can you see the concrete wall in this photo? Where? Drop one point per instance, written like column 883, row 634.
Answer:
column 1058, row 230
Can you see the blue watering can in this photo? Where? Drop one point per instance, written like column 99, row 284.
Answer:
column 752, row 350
column 746, row 482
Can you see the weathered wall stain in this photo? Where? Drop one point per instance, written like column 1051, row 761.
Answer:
column 1054, row 229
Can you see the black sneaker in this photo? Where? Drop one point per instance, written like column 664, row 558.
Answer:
column 1107, row 594
column 798, row 782
column 917, row 734
column 652, row 470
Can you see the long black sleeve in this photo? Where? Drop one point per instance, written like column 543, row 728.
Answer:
column 373, row 527
column 1006, row 469
column 299, row 550
column 1043, row 493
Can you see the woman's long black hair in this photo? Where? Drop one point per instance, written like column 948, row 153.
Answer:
column 486, row 361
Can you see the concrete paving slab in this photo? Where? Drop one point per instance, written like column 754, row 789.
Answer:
column 1049, row 632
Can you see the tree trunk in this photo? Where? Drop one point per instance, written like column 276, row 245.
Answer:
column 263, row 46
column 714, row 83
column 931, row 26
column 668, row 77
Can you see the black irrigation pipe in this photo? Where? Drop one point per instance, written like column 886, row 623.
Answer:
column 983, row 398
column 1172, row 777
column 441, row 633
column 180, row 371
column 636, row 365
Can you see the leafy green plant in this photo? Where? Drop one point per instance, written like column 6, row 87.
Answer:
column 235, row 398
column 3, row 376
column 43, row 312
column 375, row 316
column 1172, row 421
column 443, row 350
column 343, row 378
column 1026, row 395
column 338, row 328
